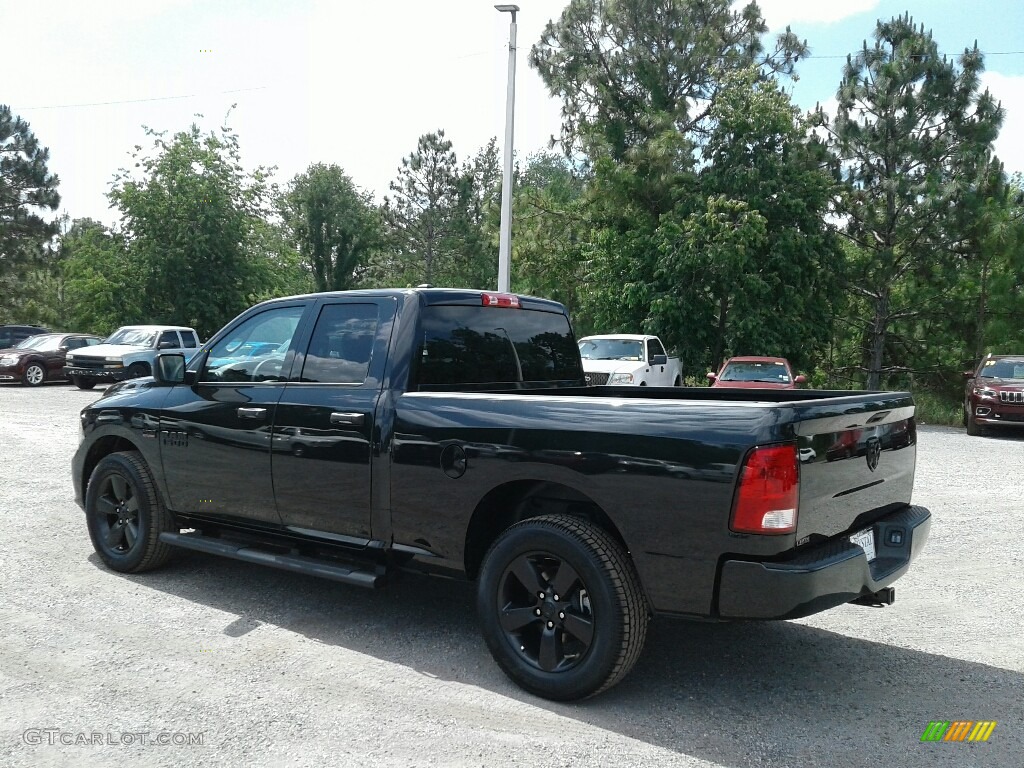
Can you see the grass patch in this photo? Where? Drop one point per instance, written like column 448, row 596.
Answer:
column 933, row 409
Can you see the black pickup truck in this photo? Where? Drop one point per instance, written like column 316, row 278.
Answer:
column 346, row 435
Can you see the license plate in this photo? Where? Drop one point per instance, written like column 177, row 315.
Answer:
column 865, row 540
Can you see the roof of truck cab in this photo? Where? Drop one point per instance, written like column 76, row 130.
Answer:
column 619, row 336
column 431, row 296
column 154, row 328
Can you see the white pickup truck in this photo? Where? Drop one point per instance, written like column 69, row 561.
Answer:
column 629, row 359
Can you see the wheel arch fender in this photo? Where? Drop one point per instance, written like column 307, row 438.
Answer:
column 517, row 500
column 115, row 441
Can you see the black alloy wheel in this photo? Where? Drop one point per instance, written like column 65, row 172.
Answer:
column 546, row 611
column 561, row 607
column 125, row 516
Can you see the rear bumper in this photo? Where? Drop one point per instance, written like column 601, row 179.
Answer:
column 825, row 575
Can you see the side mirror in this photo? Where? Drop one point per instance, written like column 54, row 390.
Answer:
column 711, row 376
column 968, row 374
column 659, row 359
column 169, row 369
column 166, row 345
column 63, row 348
column 799, row 379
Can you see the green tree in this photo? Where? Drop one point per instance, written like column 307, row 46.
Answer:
column 421, row 215
column 913, row 134
column 666, row 100
column 102, row 289
column 629, row 70
column 549, row 231
column 475, row 220
column 26, row 189
column 333, row 223
column 188, row 224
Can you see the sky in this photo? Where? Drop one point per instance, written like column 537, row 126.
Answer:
column 356, row 82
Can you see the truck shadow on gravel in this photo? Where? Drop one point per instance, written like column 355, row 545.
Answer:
column 756, row 694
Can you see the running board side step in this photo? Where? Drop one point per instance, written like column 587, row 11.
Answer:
column 293, row 563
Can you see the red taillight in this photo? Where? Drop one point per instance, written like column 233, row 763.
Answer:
column 499, row 300
column 769, row 492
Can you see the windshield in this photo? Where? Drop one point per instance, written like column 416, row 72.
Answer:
column 611, row 349
column 135, row 337
column 766, row 372
column 1003, row 369
column 34, row 342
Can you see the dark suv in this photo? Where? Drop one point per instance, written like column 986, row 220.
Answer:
column 994, row 393
column 12, row 334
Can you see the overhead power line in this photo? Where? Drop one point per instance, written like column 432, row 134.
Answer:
column 138, row 101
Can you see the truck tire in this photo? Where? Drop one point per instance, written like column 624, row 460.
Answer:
column 561, row 607
column 974, row 429
column 125, row 515
column 678, row 382
column 138, row 370
column 83, row 382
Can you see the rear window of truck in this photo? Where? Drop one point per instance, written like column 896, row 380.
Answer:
column 475, row 346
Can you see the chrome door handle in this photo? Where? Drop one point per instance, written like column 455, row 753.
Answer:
column 352, row 419
column 252, row 413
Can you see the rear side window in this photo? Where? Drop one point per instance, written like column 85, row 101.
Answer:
column 466, row 345
column 189, row 339
column 341, row 345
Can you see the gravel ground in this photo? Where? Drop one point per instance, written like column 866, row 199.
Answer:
column 261, row 667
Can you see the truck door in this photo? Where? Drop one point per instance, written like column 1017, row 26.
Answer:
column 660, row 374
column 324, row 435
column 215, row 435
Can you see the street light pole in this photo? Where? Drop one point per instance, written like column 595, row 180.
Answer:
column 505, row 241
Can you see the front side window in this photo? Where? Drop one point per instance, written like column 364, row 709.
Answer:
column 168, row 340
column 342, row 344
column 255, row 350
column 654, row 348
column 74, row 343
column 466, row 345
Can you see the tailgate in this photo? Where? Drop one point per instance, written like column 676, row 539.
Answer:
column 855, row 466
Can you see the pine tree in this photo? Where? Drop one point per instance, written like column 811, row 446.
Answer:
column 26, row 188
column 913, row 135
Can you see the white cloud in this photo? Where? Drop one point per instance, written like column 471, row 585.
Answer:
column 779, row 13
column 1010, row 91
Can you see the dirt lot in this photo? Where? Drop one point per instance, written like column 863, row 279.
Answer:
column 231, row 664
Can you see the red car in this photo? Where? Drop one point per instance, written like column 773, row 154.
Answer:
column 41, row 358
column 756, row 373
column 994, row 393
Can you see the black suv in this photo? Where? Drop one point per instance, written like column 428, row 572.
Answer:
column 12, row 334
